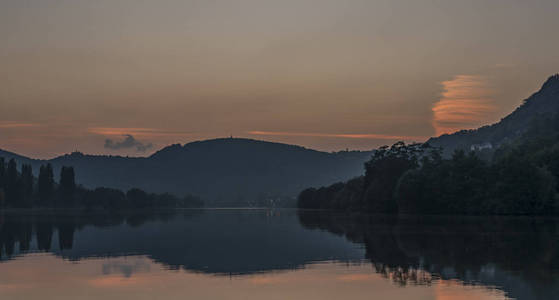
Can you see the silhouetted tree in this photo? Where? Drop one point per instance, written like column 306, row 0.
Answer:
column 138, row 198
column 105, row 198
column 307, row 199
column 522, row 178
column 13, row 187
column 2, row 182
column 67, row 186
column 382, row 173
column 20, row 190
column 46, row 185
column 27, row 185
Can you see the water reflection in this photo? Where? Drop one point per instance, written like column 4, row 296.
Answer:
column 516, row 254
column 226, row 242
column 274, row 251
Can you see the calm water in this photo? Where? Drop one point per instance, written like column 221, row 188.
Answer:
column 276, row 254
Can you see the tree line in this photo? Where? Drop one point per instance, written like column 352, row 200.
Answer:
column 521, row 178
column 20, row 189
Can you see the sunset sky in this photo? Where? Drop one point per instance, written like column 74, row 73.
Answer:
column 128, row 77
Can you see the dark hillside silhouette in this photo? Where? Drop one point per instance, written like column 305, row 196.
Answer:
column 225, row 172
column 541, row 103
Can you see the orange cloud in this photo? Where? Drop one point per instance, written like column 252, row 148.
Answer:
column 335, row 135
column 13, row 124
column 466, row 102
column 136, row 131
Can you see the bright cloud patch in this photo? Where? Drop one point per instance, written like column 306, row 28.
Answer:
column 466, row 102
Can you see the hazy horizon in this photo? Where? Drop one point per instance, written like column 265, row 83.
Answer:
column 155, row 149
column 129, row 77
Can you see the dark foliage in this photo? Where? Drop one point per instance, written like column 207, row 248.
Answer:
column 27, row 186
column 19, row 189
column 521, row 179
column 517, row 173
column 46, row 185
column 67, row 186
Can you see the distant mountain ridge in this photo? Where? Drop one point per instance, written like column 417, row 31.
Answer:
column 227, row 171
column 543, row 102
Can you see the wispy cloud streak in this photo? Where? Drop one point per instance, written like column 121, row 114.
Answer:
column 137, row 131
column 339, row 135
column 13, row 124
column 466, row 102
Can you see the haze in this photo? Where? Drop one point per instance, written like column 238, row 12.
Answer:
column 128, row 77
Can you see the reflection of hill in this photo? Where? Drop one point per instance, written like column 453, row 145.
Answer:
column 219, row 242
column 518, row 255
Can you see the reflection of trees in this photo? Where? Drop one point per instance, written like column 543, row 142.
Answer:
column 404, row 275
column 224, row 242
column 17, row 231
column 12, row 234
column 66, row 235
column 406, row 250
column 44, row 231
column 409, row 249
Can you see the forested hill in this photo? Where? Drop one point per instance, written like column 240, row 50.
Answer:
column 518, row 176
column 229, row 171
column 543, row 102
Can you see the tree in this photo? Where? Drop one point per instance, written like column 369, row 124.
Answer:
column 46, row 185
column 27, row 185
column 2, row 172
column 105, row 198
column 138, row 198
column 521, row 187
column 384, row 170
column 2, row 182
column 307, row 199
column 13, row 191
column 67, row 186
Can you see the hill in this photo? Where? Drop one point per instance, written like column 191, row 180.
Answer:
column 514, row 169
column 545, row 102
column 228, row 171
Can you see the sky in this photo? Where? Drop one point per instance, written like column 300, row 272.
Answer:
column 127, row 77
